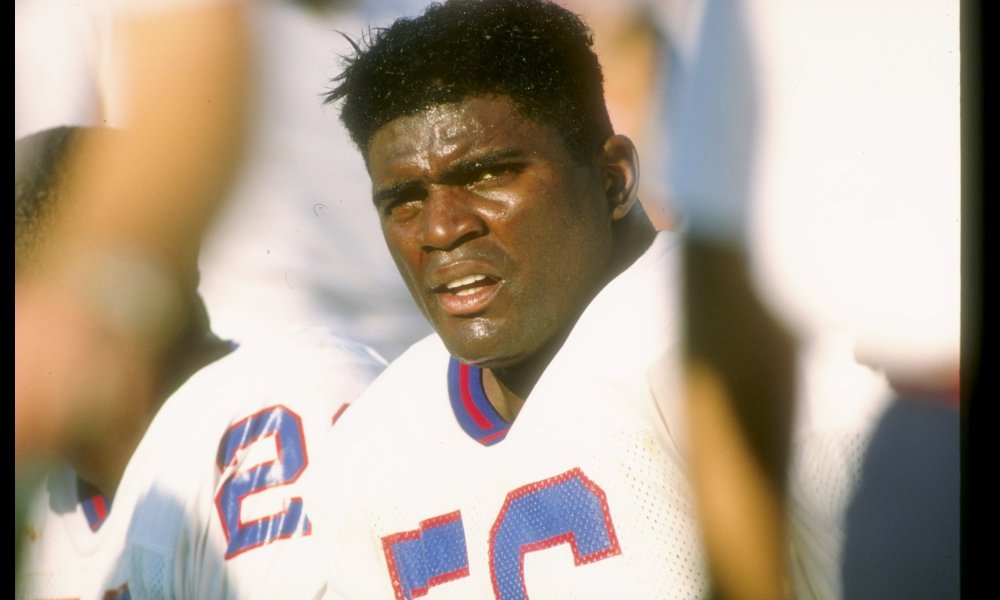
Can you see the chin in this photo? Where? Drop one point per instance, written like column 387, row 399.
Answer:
column 486, row 354
column 480, row 355
column 488, row 343
column 480, row 352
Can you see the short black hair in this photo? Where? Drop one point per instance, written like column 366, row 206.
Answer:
column 535, row 52
column 39, row 174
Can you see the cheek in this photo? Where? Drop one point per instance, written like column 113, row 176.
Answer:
column 575, row 245
column 402, row 251
column 551, row 248
column 565, row 221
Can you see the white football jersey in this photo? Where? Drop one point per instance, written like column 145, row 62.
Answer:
column 581, row 497
column 840, row 403
column 211, row 504
column 71, row 546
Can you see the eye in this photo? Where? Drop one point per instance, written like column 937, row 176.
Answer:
column 493, row 174
column 403, row 204
column 402, row 210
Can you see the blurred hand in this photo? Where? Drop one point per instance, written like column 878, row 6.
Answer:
column 82, row 389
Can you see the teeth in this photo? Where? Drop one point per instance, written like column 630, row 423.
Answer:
column 469, row 279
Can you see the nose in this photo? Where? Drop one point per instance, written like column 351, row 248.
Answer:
column 450, row 218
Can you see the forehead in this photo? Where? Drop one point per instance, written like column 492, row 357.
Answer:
column 455, row 128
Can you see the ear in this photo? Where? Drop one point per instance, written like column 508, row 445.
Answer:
column 621, row 175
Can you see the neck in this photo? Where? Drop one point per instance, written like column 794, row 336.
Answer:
column 507, row 388
column 633, row 234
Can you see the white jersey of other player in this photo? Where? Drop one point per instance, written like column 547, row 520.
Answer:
column 840, row 403
column 71, row 546
column 211, row 504
column 582, row 497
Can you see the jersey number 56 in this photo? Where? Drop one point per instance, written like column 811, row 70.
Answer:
column 566, row 509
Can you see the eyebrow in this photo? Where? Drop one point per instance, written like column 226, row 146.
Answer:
column 468, row 166
column 387, row 193
column 456, row 172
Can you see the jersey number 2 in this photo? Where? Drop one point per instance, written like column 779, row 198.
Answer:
column 282, row 429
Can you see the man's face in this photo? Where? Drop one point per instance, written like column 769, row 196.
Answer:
column 501, row 237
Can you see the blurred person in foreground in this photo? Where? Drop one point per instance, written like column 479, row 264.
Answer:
column 200, row 497
column 794, row 154
column 517, row 451
column 109, row 294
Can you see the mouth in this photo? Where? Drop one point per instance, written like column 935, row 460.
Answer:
column 467, row 295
